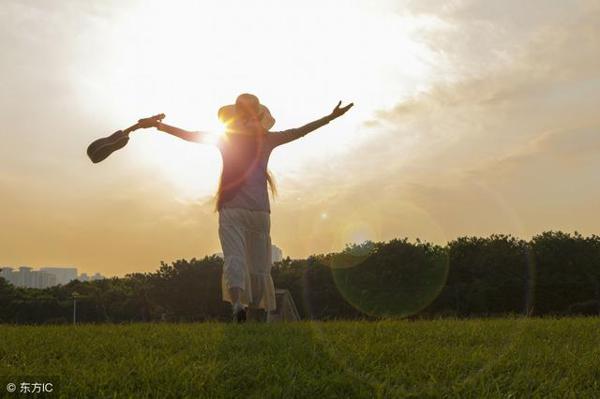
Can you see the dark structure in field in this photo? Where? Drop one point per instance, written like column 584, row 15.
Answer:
column 286, row 308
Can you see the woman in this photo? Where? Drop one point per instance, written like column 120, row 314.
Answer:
column 243, row 200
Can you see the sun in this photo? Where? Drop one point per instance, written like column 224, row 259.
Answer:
column 212, row 137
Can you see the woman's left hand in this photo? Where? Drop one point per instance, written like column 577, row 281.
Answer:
column 337, row 111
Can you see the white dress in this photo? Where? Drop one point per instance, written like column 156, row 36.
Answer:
column 246, row 243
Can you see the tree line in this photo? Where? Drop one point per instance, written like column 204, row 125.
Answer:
column 554, row 273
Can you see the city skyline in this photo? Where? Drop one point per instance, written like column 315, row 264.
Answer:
column 44, row 277
column 277, row 255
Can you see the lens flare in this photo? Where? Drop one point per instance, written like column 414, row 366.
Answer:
column 395, row 279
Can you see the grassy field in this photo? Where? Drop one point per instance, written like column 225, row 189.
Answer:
column 495, row 358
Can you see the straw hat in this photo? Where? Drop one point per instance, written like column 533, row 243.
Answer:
column 244, row 104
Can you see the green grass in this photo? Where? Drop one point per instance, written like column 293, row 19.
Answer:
column 496, row 358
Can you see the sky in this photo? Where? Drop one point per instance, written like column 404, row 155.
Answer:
column 470, row 118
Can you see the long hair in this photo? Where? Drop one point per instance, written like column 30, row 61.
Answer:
column 272, row 185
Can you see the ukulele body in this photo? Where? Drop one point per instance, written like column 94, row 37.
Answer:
column 102, row 148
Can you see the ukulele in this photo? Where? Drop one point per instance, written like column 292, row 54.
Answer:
column 101, row 148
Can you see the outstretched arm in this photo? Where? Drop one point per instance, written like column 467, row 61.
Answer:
column 293, row 134
column 196, row 137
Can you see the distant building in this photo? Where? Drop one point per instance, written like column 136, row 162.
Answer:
column 24, row 277
column 45, row 277
column 42, row 279
column 27, row 278
column 63, row 274
column 276, row 253
column 6, row 272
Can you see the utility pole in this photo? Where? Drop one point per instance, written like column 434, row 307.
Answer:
column 75, row 295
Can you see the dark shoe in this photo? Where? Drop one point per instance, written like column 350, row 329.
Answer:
column 239, row 316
